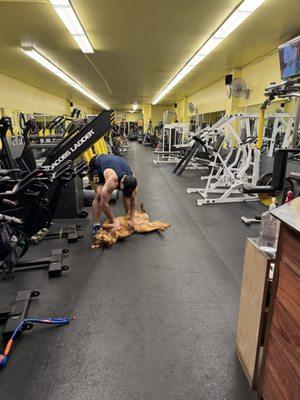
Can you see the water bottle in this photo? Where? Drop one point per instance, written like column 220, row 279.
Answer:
column 269, row 230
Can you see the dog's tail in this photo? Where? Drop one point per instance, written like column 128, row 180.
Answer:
column 142, row 207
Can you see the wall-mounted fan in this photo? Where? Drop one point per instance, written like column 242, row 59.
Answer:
column 239, row 88
column 192, row 108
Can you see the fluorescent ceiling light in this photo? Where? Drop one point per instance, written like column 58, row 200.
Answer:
column 196, row 59
column 83, row 43
column 209, row 46
column 231, row 24
column 35, row 55
column 250, row 5
column 246, row 8
column 69, row 18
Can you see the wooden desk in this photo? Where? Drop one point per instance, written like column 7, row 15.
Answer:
column 280, row 378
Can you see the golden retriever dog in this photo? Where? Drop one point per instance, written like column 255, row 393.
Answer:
column 107, row 236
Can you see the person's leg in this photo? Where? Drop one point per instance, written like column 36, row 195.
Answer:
column 96, row 205
column 96, row 209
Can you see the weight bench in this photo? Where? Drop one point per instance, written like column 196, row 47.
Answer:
column 278, row 176
column 277, row 184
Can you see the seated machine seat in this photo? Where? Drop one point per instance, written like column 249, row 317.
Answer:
column 259, row 189
column 8, row 172
column 295, row 175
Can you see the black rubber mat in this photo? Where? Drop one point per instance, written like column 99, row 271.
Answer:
column 156, row 315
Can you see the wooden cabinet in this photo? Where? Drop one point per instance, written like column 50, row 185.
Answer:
column 280, row 378
column 253, row 309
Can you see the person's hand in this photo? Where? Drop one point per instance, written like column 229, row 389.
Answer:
column 131, row 224
column 117, row 226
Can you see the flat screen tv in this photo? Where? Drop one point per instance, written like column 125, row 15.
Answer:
column 289, row 55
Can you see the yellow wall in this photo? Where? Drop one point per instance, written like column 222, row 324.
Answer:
column 209, row 99
column 257, row 75
column 129, row 117
column 212, row 98
column 19, row 96
column 157, row 113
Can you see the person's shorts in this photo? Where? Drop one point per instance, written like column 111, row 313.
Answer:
column 96, row 179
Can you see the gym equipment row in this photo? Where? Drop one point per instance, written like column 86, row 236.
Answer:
column 240, row 127
column 234, row 163
column 30, row 193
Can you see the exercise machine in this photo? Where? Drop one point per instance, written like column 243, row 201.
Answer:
column 12, row 316
column 172, row 135
column 277, row 184
column 225, row 186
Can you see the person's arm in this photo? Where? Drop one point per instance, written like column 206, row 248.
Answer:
column 132, row 205
column 104, row 204
column 110, row 185
column 126, row 204
column 132, row 202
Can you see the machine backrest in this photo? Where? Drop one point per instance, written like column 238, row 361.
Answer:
column 218, row 143
column 279, row 169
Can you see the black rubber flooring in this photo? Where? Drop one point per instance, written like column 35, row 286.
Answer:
column 156, row 315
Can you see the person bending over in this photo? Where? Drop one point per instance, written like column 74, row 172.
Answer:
column 108, row 172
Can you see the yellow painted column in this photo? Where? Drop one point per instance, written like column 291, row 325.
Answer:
column 233, row 103
column 183, row 110
column 68, row 107
column 180, row 111
column 146, row 110
column 185, row 103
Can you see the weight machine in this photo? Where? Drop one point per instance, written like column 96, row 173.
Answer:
column 74, row 145
column 282, row 130
column 172, row 135
column 222, row 127
column 169, row 117
column 228, row 181
column 147, row 136
column 277, row 184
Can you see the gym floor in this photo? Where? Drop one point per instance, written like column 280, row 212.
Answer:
column 155, row 315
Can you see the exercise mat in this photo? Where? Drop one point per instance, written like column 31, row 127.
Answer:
column 107, row 236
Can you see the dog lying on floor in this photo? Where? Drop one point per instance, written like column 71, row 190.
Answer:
column 107, row 236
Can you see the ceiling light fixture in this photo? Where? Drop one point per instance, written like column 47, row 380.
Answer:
column 66, row 13
column 35, row 55
column 246, row 8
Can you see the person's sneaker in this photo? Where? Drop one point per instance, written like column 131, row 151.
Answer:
column 96, row 229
